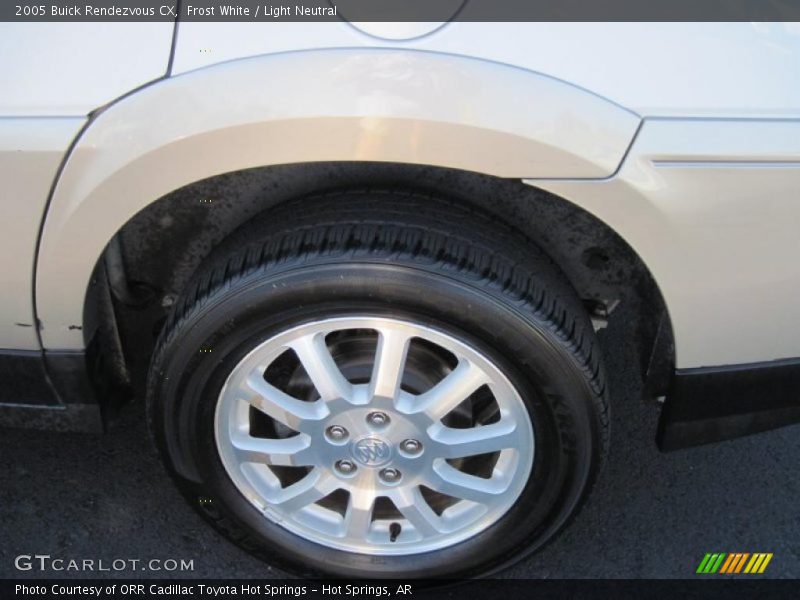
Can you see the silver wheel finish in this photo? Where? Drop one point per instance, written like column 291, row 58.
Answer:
column 380, row 469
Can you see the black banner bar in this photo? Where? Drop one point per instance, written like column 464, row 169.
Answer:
column 398, row 10
column 705, row 587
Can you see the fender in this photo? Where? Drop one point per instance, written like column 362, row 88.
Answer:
column 336, row 105
column 711, row 207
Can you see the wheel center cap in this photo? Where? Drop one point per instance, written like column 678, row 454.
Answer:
column 371, row 451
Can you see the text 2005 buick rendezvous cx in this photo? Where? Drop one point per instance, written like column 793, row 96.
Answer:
column 358, row 275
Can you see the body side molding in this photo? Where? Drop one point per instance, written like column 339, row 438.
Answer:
column 720, row 403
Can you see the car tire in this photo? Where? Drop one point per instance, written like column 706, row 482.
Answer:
column 308, row 299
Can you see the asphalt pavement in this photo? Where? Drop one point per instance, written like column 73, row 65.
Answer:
column 652, row 515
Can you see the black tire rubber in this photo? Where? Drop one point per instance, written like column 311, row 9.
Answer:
column 403, row 254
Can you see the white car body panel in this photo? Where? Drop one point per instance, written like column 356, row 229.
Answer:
column 713, row 209
column 707, row 194
column 653, row 69
column 53, row 75
column 31, row 151
column 71, row 69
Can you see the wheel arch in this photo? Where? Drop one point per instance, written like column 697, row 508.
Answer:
column 152, row 258
column 394, row 106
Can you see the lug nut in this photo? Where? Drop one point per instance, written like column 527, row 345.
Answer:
column 377, row 419
column 412, row 447
column 336, row 433
column 345, row 467
column 390, row 475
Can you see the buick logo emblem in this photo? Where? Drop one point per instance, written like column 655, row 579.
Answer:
column 372, row 452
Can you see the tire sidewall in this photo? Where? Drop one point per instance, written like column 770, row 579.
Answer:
column 198, row 359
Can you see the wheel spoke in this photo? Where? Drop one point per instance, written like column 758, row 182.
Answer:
column 413, row 506
column 321, row 368
column 390, row 360
column 311, row 488
column 458, row 484
column 358, row 516
column 451, row 391
column 288, row 452
column 282, row 407
column 457, row 443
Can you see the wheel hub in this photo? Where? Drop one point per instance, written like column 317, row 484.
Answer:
column 376, row 435
column 374, row 441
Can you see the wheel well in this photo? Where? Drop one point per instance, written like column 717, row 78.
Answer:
column 145, row 267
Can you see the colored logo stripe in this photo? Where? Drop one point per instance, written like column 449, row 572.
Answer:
column 758, row 563
column 734, row 563
column 711, row 563
column 730, row 564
